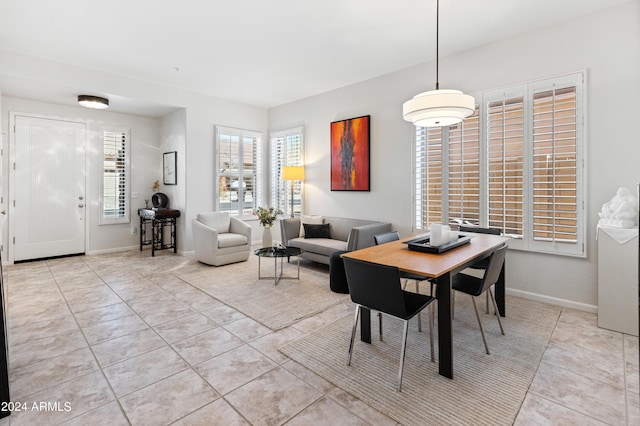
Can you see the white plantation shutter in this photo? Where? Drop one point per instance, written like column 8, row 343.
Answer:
column 428, row 176
column 505, row 154
column 464, row 171
column 238, row 161
column 286, row 150
column 556, row 170
column 115, row 177
column 516, row 165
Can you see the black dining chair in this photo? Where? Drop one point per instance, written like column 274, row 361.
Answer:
column 387, row 237
column 475, row 286
column 481, row 264
column 378, row 287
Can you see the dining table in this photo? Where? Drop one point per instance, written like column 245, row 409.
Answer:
column 440, row 268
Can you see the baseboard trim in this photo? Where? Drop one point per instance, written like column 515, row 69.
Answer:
column 553, row 300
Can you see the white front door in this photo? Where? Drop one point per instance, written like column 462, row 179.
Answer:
column 49, row 188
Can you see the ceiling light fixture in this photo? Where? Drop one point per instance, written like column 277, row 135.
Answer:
column 438, row 108
column 95, row 102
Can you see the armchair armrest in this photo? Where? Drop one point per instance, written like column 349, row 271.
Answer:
column 362, row 236
column 205, row 238
column 241, row 227
column 289, row 229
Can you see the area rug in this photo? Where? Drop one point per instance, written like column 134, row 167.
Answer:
column 486, row 389
column 274, row 306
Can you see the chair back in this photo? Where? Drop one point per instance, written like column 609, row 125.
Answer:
column 386, row 237
column 479, row 230
column 375, row 286
column 491, row 275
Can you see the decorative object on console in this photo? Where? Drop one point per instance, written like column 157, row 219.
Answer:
column 160, row 200
column 438, row 108
column 620, row 211
column 293, row 173
column 169, row 166
column 350, row 154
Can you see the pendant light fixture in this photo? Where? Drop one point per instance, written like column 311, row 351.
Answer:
column 94, row 102
column 438, row 108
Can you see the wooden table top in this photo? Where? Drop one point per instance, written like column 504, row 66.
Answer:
column 396, row 253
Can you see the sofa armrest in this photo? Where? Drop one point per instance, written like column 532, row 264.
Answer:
column 362, row 236
column 205, row 238
column 238, row 226
column 289, row 229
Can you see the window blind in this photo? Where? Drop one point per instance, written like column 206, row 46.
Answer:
column 428, row 176
column 238, row 166
column 115, row 198
column 286, row 150
column 555, row 203
column 464, row 171
column 505, row 138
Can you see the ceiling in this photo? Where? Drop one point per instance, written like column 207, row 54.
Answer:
column 259, row 52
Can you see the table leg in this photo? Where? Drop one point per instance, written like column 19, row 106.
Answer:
column 445, row 325
column 500, row 292
column 365, row 324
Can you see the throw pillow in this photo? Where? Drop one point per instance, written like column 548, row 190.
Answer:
column 317, row 231
column 316, row 220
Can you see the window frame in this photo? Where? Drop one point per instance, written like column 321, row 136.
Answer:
column 527, row 241
column 242, row 134
column 281, row 156
column 126, row 216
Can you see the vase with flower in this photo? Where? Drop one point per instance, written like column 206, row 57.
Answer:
column 267, row 216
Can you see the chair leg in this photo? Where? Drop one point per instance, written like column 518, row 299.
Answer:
column 475, row 306
column 402, row 354
column 353, row 333
column 486, row 309
column 431, row 324
column 495, row 309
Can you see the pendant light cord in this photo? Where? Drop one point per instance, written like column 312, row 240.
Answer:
column 437, row 42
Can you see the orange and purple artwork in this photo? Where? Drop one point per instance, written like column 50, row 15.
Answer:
column 350, row 154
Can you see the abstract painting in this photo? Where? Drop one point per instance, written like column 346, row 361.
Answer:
column 350, row 154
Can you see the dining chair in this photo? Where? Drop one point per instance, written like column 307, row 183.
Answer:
column 378, row 287
column 481, row 264
column 387, row 237
column 475, row 286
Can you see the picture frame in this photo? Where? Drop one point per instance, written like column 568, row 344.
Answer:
column 350, row 156
column 169, row 166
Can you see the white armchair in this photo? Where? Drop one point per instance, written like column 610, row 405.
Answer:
column 219, row 238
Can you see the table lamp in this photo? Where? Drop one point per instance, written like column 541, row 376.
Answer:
column 292, row 173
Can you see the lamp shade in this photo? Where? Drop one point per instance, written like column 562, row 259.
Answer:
column 438, row 108
column 95, row 102
column 293, row 173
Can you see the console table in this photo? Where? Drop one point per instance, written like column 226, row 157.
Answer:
column 162, row 222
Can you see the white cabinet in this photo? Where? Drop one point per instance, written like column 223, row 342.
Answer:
column 618, row 281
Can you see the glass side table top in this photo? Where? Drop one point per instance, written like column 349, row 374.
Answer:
column 277, row 252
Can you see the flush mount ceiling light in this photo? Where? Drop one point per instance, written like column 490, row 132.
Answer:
column 438, row 108
column 95, row 102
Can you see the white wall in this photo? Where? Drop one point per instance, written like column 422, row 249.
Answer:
column 607, row 45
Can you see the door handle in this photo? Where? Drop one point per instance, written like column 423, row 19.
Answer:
column 80, row 205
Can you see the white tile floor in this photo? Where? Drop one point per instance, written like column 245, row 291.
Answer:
column 123, row 346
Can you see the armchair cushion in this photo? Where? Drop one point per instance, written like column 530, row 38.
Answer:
column 231, row 240
column 220, row 221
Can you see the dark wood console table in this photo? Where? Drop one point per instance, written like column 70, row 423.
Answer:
column 158, row 220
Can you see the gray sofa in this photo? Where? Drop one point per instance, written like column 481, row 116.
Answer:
column 346, row 234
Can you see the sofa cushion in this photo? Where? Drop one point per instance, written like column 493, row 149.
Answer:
column 317, row 231
column 323, row 246
column 220, row 221
column 231, row 240
column 315, row 220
